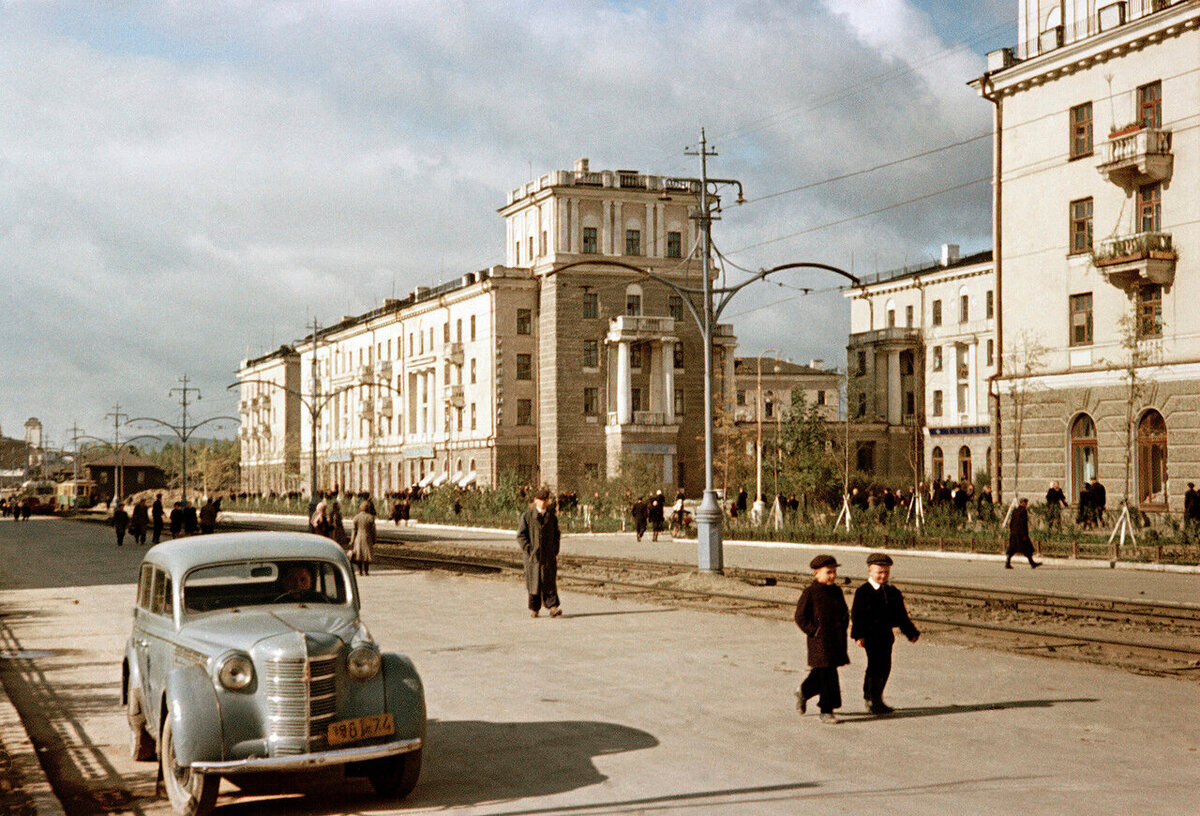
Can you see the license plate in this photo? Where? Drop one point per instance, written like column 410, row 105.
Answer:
column 361, row 728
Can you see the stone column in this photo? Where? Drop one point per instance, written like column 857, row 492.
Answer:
column 656, row 382
column 972, row 381
column 893, row 387
column 668, row 363
column 624, row 385
column 618, row 247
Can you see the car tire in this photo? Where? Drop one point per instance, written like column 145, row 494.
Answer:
column 191, row 793
column 395, row 776
column 141, row 744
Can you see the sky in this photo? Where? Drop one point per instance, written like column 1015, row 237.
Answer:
column 184, row 185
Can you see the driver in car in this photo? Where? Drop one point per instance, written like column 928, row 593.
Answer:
column 298, row 580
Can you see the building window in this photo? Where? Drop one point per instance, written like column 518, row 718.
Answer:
column 964, row 308
column 891, row 318
column 1081, row 130
column 741, row 397
column 474, row 423
column 524, row 321
column 472, row 371
column 591, row 400
column 517, row 249
column 589, row 240
column 633, row 242
column 459, row 423
column 1150, row 323
column 908, row 316
column 446, row 332
column 820, row 398
column 1081, row 319
column 937, row 403
column 1081, row 226
column 675, row 307
column 524, row 366
column 990, row 306
column 446, row 377
column 633, row 304
column 591, row 353
column 939, row 463
column 678, row 355
column 862, row 363
column 964, row 464
column 937, row 358
column 910, row 403
column 1149, row 99
column 991, row 351
column 768, row 408
column 937, row 313
column 636, row 398
column 678, row 401
column 635, row 355
column 674, row 244
column 591, row 305
column 1152, row 460
column 529, row 243
column 472, row 327
column 906, row 363
column 862, row 405
column 1083, row 452
column 542, row 244
column 457, row 333
column 1150, row 207
column 524, row 412
column 864, row 457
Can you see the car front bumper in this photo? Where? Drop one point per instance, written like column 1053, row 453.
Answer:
column 304, row 762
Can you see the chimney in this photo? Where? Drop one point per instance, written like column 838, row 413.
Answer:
column 949, row 254
column 581, row 165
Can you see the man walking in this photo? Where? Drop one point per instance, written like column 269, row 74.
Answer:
column 640, row 512
column 822, row 615
column 1056, row 500
column 1019, row 542
column 878, row 609
column 156, row 518
column 539, row 539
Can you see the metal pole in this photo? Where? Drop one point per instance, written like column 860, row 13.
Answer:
column 760, row 506
column 710, row 557
column 313, row 414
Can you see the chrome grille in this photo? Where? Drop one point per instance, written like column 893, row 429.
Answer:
column 302, row 701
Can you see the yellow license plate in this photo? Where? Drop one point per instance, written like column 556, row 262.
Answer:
column 361, row 728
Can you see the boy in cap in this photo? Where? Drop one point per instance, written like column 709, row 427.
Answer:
column 822, row 615
column 878, row 608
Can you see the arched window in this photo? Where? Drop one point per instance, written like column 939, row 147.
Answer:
column 633, row 300
column 1152, row 461
column 964, row 464
column 1083, row 452
column 939, row 464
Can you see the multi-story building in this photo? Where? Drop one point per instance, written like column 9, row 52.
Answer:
column 1097, row 193
column 270, row 428
column 779, row 380
column 554, row 366
column 921, row 352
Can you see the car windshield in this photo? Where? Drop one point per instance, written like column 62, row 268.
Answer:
column 254, row 583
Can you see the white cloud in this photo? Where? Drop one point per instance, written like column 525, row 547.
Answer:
column 187, row 184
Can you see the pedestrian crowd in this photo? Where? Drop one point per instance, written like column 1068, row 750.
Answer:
column 134, row 518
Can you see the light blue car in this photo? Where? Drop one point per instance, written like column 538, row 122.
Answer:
column 248, row 656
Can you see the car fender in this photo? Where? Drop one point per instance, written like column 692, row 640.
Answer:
column 195, row 712
column 405, row 695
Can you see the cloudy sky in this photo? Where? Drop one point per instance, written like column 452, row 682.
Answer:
column 184, row 184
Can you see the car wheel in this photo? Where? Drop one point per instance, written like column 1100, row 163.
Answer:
column 395, row 776
column 141, row 745
column 191, row 793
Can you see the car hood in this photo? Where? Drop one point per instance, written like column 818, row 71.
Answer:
column 243, row 629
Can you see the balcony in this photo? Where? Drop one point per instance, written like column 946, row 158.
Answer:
column 903, row 336
column 364, row 374
column 454, row 353
column 383, row 369
column 454, row 395
column 647, row 418
column 385, row 407
column 366, row 406
column 1132, row 260
column 639, row 328
column 1133, row 157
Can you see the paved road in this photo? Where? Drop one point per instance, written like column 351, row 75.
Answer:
column 621, row 707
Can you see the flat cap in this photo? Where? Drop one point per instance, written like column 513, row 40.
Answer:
column 883, row 559
column 823, row 561
column 543, row 494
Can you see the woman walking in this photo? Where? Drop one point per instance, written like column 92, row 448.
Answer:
column 362, row 544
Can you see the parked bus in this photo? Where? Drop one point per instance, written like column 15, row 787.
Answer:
column 39, row 494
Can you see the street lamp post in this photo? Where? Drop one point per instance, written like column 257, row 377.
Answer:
column 759, row 505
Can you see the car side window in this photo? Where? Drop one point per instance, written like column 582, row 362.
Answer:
column 144, row 585
column 161, row 601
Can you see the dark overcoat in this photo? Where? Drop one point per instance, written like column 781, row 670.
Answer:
column 538, row 536
column 1018, row 532
column 876, row 612
column 821, row 613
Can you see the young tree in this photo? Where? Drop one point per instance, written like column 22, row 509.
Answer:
column 1139, row 349
column 809, row 465
column 1027, row 357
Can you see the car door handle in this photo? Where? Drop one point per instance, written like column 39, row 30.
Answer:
column 142, row 642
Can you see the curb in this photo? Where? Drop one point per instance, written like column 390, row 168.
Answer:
column 24, row 788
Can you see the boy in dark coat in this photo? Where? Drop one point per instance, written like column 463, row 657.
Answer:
column 539, row 539
column 878, row 608
column 822, row 615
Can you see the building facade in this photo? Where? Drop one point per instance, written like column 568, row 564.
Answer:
column 269, row 432
column 1097, row 191
column 553, row 367
column 779, row 380
column 921, row 353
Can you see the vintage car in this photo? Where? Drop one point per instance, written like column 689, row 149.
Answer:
column 248, row 656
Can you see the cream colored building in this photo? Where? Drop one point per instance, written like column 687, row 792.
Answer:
column 780, row 379
column 554, row 374
column 1097, row 188
column 922, row 349
column 270, row 422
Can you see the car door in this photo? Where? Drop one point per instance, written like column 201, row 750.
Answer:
column 139, row 640
column 158, row 628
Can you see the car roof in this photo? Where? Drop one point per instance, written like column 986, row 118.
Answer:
column 182, row 554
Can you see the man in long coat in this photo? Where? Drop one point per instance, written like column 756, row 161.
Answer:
column 822, row 615
column 1019, row 542
column 657, row 515
column 362, row 544
column 640, row 512
column 538, row 537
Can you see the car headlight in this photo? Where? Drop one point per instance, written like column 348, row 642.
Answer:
column 363, row 662
column 235, row 672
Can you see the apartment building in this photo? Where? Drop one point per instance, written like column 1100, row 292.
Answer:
column 921, row 351
column 1097, row 193
column 269, row 432
column 554, row 366
column 778, row 380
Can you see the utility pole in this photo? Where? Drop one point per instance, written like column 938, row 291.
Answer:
column 75, row 432
column 316, row 393
column 116, row 415
column 183, row 392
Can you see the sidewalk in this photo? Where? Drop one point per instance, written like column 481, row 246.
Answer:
column 24, row 789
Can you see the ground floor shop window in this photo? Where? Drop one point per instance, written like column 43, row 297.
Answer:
column 1152, row 460
column 939, row 464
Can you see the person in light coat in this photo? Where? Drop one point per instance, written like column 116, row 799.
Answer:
column 362, row 542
